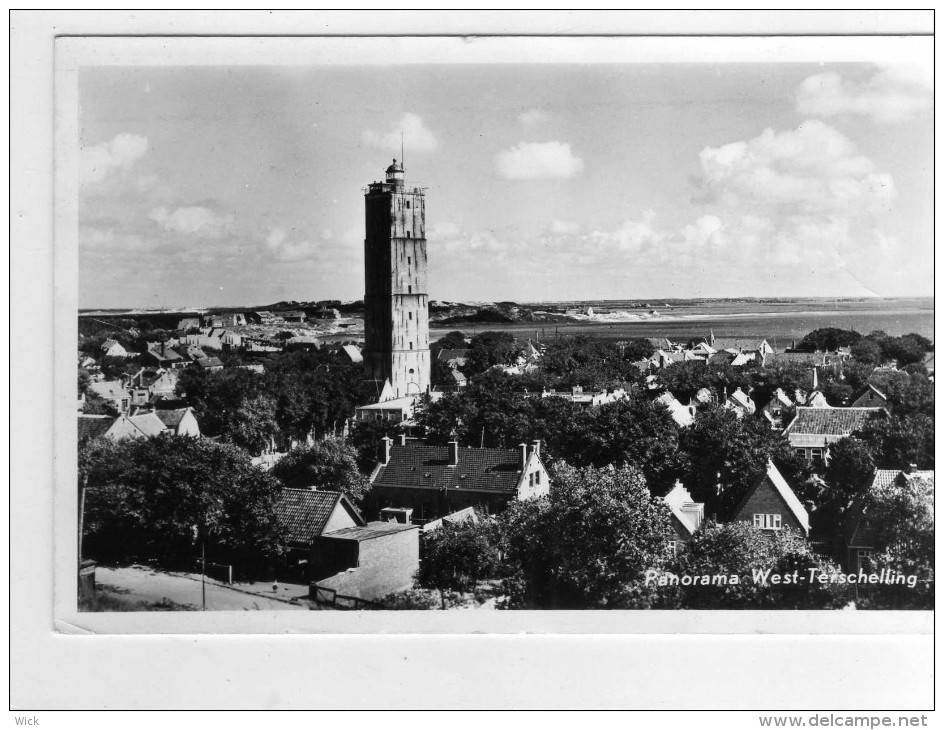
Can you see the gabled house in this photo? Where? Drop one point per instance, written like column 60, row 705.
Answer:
column 817, row 359
column 812, row 430
column 740, row 403
column 179, row 421
column 112, row 392
column 113, row 348
column 861, row 533
column 680, row 414
column 810, row 399
column 459, row 380
column 352, row 353
column 778, row 409
column 137, row 426
column 189, row 323
column 437, row 480
column 163, row 355
column 687, row 516
column 870, row 397
column 453, row 358
column 209, row 364
column 772, row 505
column 587, row 398
column 306, row 514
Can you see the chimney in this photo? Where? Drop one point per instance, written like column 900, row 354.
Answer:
column 910, row 468
column 453, row 453
column 524, row 455
column 402, row 439
column 387, row 443
column 163, row 348
column 536, row 447
column 815, row 379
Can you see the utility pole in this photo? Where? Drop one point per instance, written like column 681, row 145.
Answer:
column 203, row 584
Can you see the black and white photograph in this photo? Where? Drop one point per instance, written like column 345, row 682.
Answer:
column 492, row 334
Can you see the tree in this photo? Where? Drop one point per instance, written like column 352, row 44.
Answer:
column 728, row 455
column 902, row 514
column 849, row 471
column 828, row 339
column 454, row 340
column 457, row 556
column 587, row 544
column 638, row 348
column 638, row 433
column 441, row 375
column 365, row 437
column 590, row 362
column 329, row 465
column 867, row 351
column 84, row 380
column 159, row 497
column 740, row 550
column 491, row 348
column 896, row 442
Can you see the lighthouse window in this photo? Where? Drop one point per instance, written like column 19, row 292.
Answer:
column 411, row 345
column 411, row 371
column 409, row 289
column 409, row 260
column 411, row 315
column 408, row 205
column 407, row 234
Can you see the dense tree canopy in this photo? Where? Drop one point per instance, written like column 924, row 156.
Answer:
column 728, row 455
column 588, row 544
column 739, row 549
column 491, row 348
column 328, row 465
column 828, row 339
column 159, row 497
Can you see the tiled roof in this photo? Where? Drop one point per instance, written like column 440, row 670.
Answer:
column 680, row 414
column 148, row 423
column 305, row 512
column 783, row 358
column 91, row 427
column 171, row 418
column 721, row 358
column 780, row 484
column 108, row 389
column 427, row 467
column 859, row 529
column 677, row 500
column 209, row 362
column 370, row 531
column 830, row 421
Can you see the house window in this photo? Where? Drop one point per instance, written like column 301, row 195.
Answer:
column 864, row 559
column 671, row 547
column 767, row 522
column 816, row 454
column 537, row 477
column 801, row 453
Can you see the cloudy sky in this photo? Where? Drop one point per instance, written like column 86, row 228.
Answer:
column 243, row 185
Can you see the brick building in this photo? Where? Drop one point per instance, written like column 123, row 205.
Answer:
column 435, row 481
column 772, row 505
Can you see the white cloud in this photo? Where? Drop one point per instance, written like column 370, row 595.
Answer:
column 283, row 249
column 416, row 136
column 533, row 117
column 442, row 230
column 811, row 170
column 195, row 220
column 894, row 94
column 122, row 152
column 538, row 161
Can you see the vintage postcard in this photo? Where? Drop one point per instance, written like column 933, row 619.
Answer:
column 495, row 334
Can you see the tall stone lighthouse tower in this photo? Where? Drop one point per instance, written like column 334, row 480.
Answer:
column 396, row 304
